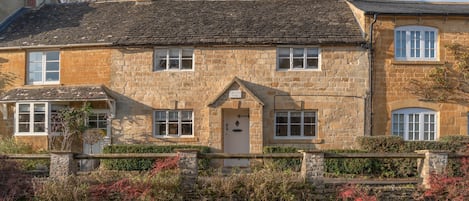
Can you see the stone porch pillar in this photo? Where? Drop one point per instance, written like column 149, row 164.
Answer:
column 434, row 162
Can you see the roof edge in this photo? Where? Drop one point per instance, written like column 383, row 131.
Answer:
column 57, row 46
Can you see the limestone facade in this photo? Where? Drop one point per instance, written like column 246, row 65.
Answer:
column 336, row 92
column 391, row 77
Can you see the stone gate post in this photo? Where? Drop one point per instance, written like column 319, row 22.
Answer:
column 188, row 168
column 434, row 162
column 62, row 164
column 312, row 167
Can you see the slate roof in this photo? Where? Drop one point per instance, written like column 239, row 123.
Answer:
column 59, row 93
column 411, row 8
column 169, row 22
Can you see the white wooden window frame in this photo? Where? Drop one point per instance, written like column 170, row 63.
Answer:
column 416, row 43
column 31, row 119
column 167, row 123
column 158, row 56
column 415, row 124
column 292, row 58
column 301, row 124
column 43, row 68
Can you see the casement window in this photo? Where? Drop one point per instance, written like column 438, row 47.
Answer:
column 415, row 124
column 173, row 123
column 31, row 118
column 173, row 59
column 416, row 43
column 295, row 124
column 298, row 58
column 43, row 67
column 56, row 126
column 98, row 119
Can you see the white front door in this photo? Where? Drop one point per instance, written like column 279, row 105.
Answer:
column 236, row 135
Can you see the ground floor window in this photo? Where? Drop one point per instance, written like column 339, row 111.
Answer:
column 98, row 119
column 295, row 124
column 31, row 118
column 414, row 124
column 175, row 123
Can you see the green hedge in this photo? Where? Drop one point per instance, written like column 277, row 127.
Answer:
column 408, row 167
column 146, row 164
column 283, row 163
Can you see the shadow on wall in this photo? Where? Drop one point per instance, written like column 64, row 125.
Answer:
column 6, row 78
column 128, row 114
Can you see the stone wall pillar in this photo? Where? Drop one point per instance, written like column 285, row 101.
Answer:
column 312, row 167
column 62, row 164
column 434, row 162
column 188, row 169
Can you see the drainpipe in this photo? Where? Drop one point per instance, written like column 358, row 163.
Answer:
column 370, row 74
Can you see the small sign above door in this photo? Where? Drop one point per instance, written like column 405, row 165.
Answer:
column 235, row 94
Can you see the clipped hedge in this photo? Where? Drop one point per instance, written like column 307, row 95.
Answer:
column 407, row 167
column 146, row 164
column 283, row 163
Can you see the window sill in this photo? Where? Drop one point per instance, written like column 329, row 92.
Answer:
column 401, row 62
column 313, row 140
column 172, row 137
column 31, row 134
column 298, row 70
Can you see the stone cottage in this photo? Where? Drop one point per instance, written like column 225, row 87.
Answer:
column 410, row 40
column 232, row 75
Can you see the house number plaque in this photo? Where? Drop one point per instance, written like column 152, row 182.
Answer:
column 235, row 94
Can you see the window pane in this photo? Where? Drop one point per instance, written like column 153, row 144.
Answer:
column 295, row 130
column 174, row 63
column 39, row 117
column 295, row 117
column 35, row 77
column 282, row 117
column 39, row 127
column 93, row 124
column 53, row 76
column 160, row 116
column 281, row 130
column 284, row 63
column 186, row 129
column 160, row 129
column 312, row 64
column 24, row 107
column 309, row 130
column 174, row 53
column 23, row 118
column 298, row 63
column 172, row 129
column 173, row 116
column 35, row 67
column 312, row 52
column 102, row 124
column 284, row 52
column 35, row 56
column 160, row 55
column 186, row 116
column 39, row 108
column 309, row 117
column 298, row 52
column 187, row 53
column 52, row 66
column 186, row 64
column 52, row 56
column 23, row 128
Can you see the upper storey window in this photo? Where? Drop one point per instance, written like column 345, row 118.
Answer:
column 415, row 43
column 43, row 67
column 298, row 58
column 173, row 59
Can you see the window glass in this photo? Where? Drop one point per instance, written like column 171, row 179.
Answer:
column 414, row 124
column 297, row 58
column 295, row 124
column 173, row 59
column 43, row 67
column 421, row 42
column 173, row 122
column 31, row 118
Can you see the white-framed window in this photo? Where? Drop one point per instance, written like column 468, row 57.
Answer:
column 173, row 59
column 298, row 58
column 55, row 124
column 415, row 124
column 173, row 123
column 416, row 43
column 31, row 118
column 295, row 124
column 98, row 119
column 43, row 67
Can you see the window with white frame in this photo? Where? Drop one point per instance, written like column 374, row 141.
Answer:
column 173, row 123
column 31, row 118
column 56, row 125
column 295, row 124
column 415, row 43
column 173, row 59
column 98, row 119
column 414, row 124
column 43, row 67
column 298, row 58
